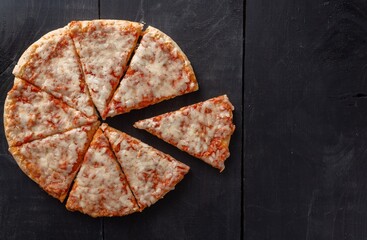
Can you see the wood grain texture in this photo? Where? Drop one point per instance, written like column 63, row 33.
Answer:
column 27, row 212
column 206, row 204
column 306, row 109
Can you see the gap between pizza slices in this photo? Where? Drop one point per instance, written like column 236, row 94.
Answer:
column 203, row 129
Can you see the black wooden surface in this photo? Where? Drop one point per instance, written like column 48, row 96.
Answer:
column 206, row 204
column 305, row 118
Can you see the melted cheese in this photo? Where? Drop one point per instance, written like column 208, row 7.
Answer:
column 32, row 114
column 52, row 162
column 104, row 47
column 52, row 64
column 201, row 129
column 100, row 187
column 159, row 70
column 151, row 173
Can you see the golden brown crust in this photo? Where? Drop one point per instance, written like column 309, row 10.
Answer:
column 27, row 55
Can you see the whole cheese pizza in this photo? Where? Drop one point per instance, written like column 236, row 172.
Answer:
column 203, row 129
column 68, row 76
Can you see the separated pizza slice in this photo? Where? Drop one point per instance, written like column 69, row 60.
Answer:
column 150, row 173
column 203, row 129
column 31, row 114
column 104, row 47
column 53, row 162
column 52, row 64
column 159, row 70
column 100, row 188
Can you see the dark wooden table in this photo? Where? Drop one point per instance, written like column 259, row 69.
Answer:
column 306, row 119
column 206, row 204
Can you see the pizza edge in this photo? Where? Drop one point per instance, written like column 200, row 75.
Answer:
column 27, row 54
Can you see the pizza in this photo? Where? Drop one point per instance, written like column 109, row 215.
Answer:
column 52, row 64
column 104, row 48
column 31, row 114
column 151, row 174
column 203, row 129
column 52, row 162
column 110, row 67
column 159, row 70
column 100, row 188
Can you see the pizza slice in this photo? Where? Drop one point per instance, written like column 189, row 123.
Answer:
column 203, row 129
column 104, row 47
column 100, row 188
column 31, row 114
column 52, row 64
column 150, row 173
column 53, row 162
column 159, row 70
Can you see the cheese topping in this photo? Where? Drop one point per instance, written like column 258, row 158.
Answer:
column 100, row 187
column 52, row 64
column 104, row 47
column 33, row 114
column 52, row 162
column 203, row 129
column 159, row 70
column 150, row 173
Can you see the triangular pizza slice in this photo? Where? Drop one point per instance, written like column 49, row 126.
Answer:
column 203, row 129
column 52, row 64
column 159, row 70
column 100, row 188
column 150, row 173
column 53, row 162
column 31, row 114
column 104, row 47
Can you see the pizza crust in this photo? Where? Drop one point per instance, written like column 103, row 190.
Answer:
column 26, row 56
